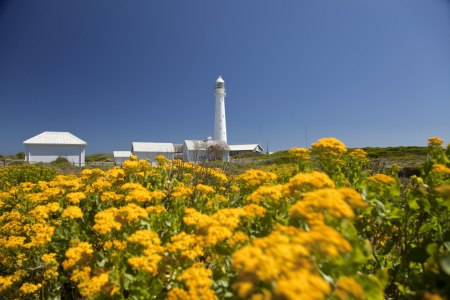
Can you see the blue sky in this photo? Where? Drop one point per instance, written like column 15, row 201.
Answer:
column 370, row 73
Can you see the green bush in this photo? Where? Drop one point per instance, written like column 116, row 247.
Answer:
column 61, row 161
column 20, row 155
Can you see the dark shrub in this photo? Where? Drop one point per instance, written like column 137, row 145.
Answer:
column 20, row 155
column 61, row 161
column 408, row 172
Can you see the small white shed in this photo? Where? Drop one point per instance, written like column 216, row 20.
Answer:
column 152, row 150
column 121, row 156
column 196, row 151
column 239, row 149
column 49, row 145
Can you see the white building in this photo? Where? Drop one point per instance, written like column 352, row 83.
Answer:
column 196, row 151
column 239, row 149
column 121, row 156
column 152, row 150
column 48, row 146
column 220, row 124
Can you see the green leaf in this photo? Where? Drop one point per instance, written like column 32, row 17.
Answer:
column 447, row 245
column 373, row 290
column 127, row 280
column 388, row 247
column 445, row 264
column 432, row 249
column 418, row 255
column 383, row 277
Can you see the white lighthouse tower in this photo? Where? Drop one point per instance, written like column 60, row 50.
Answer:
column 220, row 126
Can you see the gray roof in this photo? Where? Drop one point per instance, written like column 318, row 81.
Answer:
column 55, row 138
column 152, row 147
column 197, row 145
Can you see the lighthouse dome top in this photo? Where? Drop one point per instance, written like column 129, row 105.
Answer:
column 220, row 84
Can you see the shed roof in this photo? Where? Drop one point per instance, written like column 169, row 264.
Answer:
column 55, row 138
column 248, row 147
column 152, row 147
column 204, row 145
column 126, row 154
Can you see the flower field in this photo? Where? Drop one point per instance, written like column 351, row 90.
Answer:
column 322, row 227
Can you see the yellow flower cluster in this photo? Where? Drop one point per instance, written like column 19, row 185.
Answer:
column 269, row 194
column 115, row 218
column 254, row 178
column 299, row 153
column 348, row 288
column 204, row 189
column 220, row 226
column 90, row 286
column 283, row 259
column 358, row 153
column 309, row 181
column 182, row 192
column 78, row 256
column 438, row 168
column 75, row 198
column 330, row 146
column 381, row 179
column 434, row 142
column 72, row 212
column 197, row 281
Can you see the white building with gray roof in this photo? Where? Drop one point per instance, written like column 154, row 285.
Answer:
column 49, row 145
column 152, row 150
column 196, row 151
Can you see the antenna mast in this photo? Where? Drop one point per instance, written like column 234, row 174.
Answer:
column 306, row 131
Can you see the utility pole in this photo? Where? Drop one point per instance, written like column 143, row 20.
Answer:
column 267, row 152
column 306, row 132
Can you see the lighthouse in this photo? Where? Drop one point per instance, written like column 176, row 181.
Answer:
column 220, row 126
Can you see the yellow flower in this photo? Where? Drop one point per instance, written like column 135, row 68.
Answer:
column 78, row 256
column 358, row 153
column 75, row 198
column 197, row 280
column 381, row 178
column 204, row 189
column 254, row 178
column 329, row 146
column 352, row 197
column 347, row 288
column 434, row 142
column 315, row 203
column 309, row 181
column 29, row 288
column 437, row 168
column 133, row 157
column 72, row 212
column 268, row 193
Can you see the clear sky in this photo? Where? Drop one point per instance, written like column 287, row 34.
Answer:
column 112, row 72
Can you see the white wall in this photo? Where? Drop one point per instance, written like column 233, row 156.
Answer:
column 199, row 155
column 48, row 153
column 152, row 155
column 120, row 160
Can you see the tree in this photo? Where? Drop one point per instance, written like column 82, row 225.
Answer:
column 215, row 152
column 20, row 155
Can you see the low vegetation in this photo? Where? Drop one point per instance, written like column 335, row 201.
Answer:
column 328, row 224
column 99, row 157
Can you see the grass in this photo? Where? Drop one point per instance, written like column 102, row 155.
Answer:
column 99, row 157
